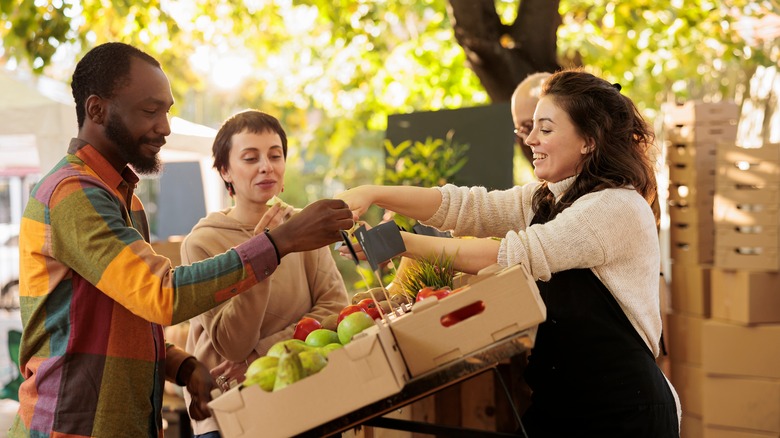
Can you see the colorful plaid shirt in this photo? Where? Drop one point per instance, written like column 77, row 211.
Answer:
column 95, row 298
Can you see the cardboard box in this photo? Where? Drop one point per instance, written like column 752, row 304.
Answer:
column 699, row 196
column 747, row 403
column 688, row 380
column 697, row 111
column 696, row 175
column 747, row 235
column 364, row 371
column 746, row 297
column 711, row 431
column 703, row 133
column 691, row 253
column 691, row 289
column 690, row 214
column 691, row 153
column 512, row 304
column 751, row 173
column 749, row 258
column 746, row 206
column 741, row 351
column 732, row 153
column 684, row 338
column 691, row 426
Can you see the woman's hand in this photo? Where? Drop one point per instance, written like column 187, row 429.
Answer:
column 358, row 199
column 228, row 371
column 273, row 217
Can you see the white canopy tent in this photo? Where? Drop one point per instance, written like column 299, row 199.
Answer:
column 38, row 119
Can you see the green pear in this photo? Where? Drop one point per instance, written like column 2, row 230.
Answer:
column 312, row 361
column 295, row 345
column 261, row 364
column 266, row 379
column 289, row 369
column 330, row 347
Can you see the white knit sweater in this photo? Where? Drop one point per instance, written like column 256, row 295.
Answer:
column 612, row 232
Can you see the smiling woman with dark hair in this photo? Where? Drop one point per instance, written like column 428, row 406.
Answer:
column 587, row 232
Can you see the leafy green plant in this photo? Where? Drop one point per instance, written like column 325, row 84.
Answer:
column 431, row 163
column 436, row 271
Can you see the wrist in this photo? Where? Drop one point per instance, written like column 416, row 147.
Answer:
column 185, row 371
column 273, row 243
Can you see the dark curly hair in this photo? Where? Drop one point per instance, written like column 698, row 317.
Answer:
column 621, row 137
column 254, row 121
column 101, row 71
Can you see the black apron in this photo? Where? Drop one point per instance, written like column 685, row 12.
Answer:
column 591, row 373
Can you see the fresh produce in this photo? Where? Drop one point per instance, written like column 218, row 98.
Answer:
column 430, row 291
column 347, row 310
column 370, row 306
column 305, row 326
column 295, row 345
column 312, row 361
column 353, row 324
column 321, row 338
column 330, row 322
column 330, row 347
column 289, row 370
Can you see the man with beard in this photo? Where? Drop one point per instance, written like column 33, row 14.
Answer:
column 94, row 295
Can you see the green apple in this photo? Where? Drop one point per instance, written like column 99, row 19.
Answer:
column 353, row 324
column 294, row 345
column 321, row 338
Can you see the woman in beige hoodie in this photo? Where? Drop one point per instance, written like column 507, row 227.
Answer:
column 250, row 152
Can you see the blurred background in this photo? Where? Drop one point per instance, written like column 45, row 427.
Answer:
column 352, row 80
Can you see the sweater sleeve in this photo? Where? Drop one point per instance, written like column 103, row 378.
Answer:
column 234, row 326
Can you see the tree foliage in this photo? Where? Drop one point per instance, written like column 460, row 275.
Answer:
column 334, row 69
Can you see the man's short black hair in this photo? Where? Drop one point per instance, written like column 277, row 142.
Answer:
column 101, row 71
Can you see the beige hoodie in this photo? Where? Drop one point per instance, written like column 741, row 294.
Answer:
column 304, row 284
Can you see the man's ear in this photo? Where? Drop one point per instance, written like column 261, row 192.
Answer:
column 95, row 109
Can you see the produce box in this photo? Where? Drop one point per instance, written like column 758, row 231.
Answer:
column 364, row 371
column 510, row 304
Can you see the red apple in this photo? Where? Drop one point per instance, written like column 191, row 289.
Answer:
column 352, row 308
column 369, row 306
column 429, row 291
column 305, row 326
column 462, row 313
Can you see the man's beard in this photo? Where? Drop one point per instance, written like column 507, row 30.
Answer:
column 130, row 149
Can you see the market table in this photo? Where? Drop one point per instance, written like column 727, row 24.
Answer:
column 471, row 365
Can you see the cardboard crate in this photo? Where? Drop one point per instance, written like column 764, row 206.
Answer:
column 742, row 402
column 688, row 381
column 757, row 236
column 512, row 304
column 691, row 289
column 741, row 351
column 364, row 371
column 746, row 206
column 703, row 133
column 685, row 338
column 732, row 152
column 692, row 175
column 746, row 297
column 690, row 214
column 714, row 431
column 695, row 153
column 702, row 234
column 691, row 252
column 700, row 196
column 749, row 173
column 749, row 258
column 697, row 112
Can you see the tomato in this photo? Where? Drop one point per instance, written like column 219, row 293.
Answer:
column 429, row 291
column 352, row 308
column 305, row 326
column 369, row 306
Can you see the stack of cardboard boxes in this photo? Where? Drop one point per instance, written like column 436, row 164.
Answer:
column 724, row 332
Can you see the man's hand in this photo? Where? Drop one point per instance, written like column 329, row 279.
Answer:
column 315, row 226
column 199, row 385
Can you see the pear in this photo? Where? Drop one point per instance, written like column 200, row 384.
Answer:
column 295, row 345
column 312, row 361
column 266, row 379
column 330, row 347
column 289, row 370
